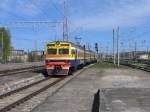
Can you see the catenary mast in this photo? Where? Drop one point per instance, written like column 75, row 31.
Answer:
column 65, row 22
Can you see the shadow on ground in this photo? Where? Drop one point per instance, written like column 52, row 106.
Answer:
column 96, row 102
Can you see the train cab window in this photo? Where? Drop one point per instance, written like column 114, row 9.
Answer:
column 63, row 51
column 52, row 51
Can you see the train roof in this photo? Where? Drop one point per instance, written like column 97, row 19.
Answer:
column 74, row 45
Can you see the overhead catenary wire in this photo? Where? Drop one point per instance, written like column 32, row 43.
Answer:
column 12, row 14
column 16, row 14
column 7, row 23
column 34, row 2
column 54, row 5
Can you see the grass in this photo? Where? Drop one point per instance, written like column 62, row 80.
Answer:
column 104, row 65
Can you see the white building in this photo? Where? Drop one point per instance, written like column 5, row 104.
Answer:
column 17, row 55
column 144, row 56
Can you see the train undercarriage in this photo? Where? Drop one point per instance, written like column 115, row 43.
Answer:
column 60, row 70
column 64, row 69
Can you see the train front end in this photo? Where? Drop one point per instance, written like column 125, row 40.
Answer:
column 58, row 58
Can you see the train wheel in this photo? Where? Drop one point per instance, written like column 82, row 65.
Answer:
column 71, row 70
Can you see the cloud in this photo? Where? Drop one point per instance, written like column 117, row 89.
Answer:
column 90, row 15
column 22, row 7
column 113, row 13
column 29, row 8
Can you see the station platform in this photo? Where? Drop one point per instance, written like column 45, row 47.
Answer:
column 79, row 94
column 12, row 66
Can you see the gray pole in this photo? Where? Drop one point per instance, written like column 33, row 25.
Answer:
column 107, row 53
column 135, row 50
column 114, row 55
column 148, row 52
column 100, row 58
column 118, row 55
column 65, row 22
column 2, row 43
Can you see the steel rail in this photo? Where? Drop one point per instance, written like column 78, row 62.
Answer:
column 21, row 70
column 22, row 100
column 31, row 95
column 136, row 67
column 22, row 88
column 132, row 66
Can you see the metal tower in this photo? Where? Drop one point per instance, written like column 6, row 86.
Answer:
column 65, row 22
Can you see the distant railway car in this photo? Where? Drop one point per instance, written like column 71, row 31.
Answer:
column 64, row 57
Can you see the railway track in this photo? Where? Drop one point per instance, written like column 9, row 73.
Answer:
column 21, row 88
column 136, row 67
column 133, row 66
column 20, row 70
column 15, row 98
column 19, row 96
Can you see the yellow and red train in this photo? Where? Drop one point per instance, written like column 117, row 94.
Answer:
column 64, row 57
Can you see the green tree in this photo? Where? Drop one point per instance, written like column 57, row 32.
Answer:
column 5, row 34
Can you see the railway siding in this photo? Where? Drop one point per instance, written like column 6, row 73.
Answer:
column 20, row 97
column 7, row 67
column 6, row 101
column 13, row 85
column 77, row 92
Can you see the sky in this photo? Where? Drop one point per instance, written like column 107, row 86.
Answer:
column 33, row 23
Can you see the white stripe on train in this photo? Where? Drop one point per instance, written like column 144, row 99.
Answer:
column 64, row 58
column 60, row 58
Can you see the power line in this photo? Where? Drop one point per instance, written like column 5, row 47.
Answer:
column 12, row 14
column 54, row 5
column 21, row 17
column 34, row 2
column 16, row 15
column 25, row 24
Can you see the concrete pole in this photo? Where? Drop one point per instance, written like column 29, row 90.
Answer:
column 2, row 43
column 135, row 50
column 147, row 51
column 118, row 54
column 114, row 54
column 100, row 57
